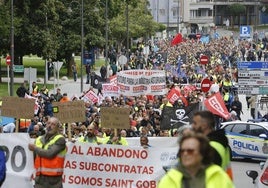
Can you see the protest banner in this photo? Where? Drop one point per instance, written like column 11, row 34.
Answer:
column 18, row 107
column 141, row 82
column 116, row 118
column 113, row 80
column 110, row 90
column 116, row 166
column 19, row 160
column 67, row 112
column 94, row 166
column 92, row 96
column 161, row 142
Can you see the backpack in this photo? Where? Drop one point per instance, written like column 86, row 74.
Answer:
column 2, row 165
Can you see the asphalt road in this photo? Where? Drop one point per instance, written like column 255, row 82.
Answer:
column 241, row 180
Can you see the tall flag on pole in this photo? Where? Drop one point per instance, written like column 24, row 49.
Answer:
column 215, row 104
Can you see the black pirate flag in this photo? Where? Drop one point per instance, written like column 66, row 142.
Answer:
column 176, row 117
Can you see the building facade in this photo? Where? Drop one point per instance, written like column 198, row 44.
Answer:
column 193, row 16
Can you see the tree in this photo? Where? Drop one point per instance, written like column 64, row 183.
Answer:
column 235, row 10
column 4, row 28
column 51, row 29
column 141, row 23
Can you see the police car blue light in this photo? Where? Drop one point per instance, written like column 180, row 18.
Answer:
column 247, row 139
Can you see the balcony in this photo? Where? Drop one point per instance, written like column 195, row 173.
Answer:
column 202, row 20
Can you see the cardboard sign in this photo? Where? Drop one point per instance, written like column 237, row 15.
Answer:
column 68, row 112
column 18, row 107
column 116, row 118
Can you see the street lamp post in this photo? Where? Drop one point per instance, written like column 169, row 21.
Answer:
column 12, row 50
column 127, row 25
column 82, row 42
column 106, row 37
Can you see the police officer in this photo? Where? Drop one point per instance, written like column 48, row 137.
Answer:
column 50, row 151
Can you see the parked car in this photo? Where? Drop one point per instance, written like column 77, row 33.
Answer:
column 262, row 180
column 247, row 139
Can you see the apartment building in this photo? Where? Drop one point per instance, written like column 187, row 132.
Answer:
column 191, row 16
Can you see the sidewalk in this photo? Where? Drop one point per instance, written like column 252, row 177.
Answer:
column 68, row 85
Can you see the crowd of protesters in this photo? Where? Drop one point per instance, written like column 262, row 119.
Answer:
column 181, row 63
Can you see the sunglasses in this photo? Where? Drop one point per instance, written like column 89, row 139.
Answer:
column 188, row 151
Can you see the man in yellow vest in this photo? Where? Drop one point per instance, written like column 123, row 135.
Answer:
column 90, row 137
column 204, row 122
column 50, row 150
column 35, row 89
column 115, row 139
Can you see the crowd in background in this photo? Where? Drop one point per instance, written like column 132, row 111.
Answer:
column 182, row 66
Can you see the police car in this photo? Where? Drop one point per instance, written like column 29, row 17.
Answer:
column 247, row 139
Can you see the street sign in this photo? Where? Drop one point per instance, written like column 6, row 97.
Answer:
column 252, row 65
column 205, row 85
column 122, row 60
column 253, row 90
column 250, row 82
column 204, row 60
column 8, row 60
column 252, row 73
column 244, row 31
column 18, row 68
column 198, row 35
column 89, row 57
column 253, row 77
column 57, row 65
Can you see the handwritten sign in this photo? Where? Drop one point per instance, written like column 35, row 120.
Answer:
column 116, row 118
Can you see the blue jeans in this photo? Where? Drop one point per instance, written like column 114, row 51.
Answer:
column 75, row 76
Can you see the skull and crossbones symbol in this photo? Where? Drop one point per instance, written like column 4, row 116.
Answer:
column 180, row 114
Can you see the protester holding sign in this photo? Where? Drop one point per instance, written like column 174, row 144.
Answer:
column 49, row 151
column 195, row 168
column 90, row 137
column 115, row 140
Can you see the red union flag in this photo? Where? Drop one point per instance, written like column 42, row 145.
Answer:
column 92, row 96
column 175, row 94
column 215, row 104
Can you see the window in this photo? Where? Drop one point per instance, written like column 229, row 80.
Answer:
column 229, row 128
column 162, row 11
column 240, row 129
column 256, row 130
column 210, row 13
column 175, row 12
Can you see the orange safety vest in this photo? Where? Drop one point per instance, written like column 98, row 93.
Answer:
column 49, row 166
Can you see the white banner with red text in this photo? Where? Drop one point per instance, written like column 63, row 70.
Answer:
column 19, row 160
column 110, row 90
column 115, row 166
column 94, row 166
column 141, row 82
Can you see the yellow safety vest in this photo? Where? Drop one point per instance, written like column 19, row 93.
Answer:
column 214, row 177
column 225, row 157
